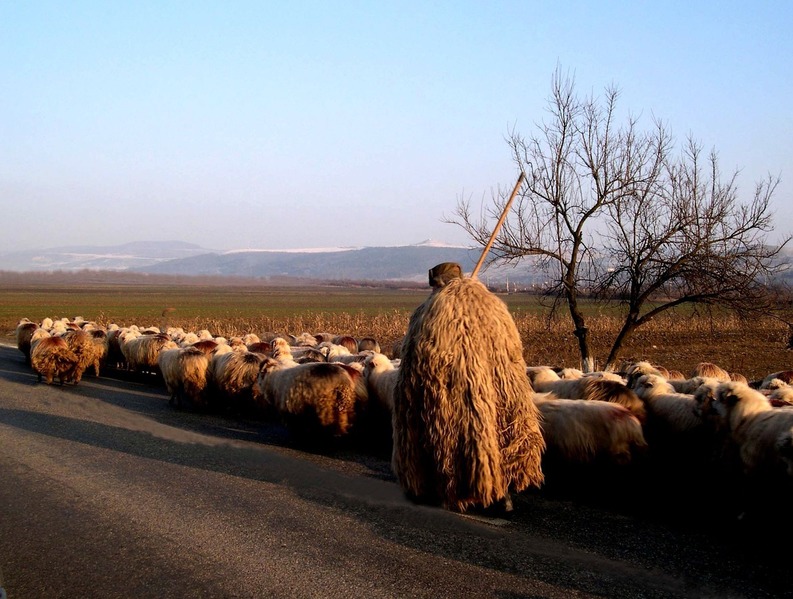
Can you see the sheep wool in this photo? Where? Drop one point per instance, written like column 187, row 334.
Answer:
column 466, row 431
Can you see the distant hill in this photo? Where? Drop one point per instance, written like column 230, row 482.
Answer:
column 404, row 263
column 110, row 257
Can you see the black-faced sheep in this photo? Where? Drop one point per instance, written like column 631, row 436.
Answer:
column 464, row 433
column 51, row 357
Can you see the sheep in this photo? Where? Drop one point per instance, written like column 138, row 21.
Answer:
column 261, row 347
column 189, row 339
column 347, row 342
column 250, row 338
column 51, row 357
column 677, row 413
column 754, row 425
column 781, row 397
column 675, row 375
column 584, row 432
column 305, row 340
column 82, row 344
column 99, row 338
column 24, row 332
column 759, row 433
column 281, row 351
column 358, row 358
column 184, row 371
column 206, row 346
column 608, row 390
column 783, row 376
column 692, row 384
column 462, row 371
column 113, row 353
column 710, row 370
column 141, row 352
column 634, row 371
column 321, row 337
column 381, row 376
column 368, row 344
column 570, row 373
column 232, row 377
column 569, row 388
column 332, row 350
column 313, row 398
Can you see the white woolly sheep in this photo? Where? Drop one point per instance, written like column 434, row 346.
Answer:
column 755, row 426
column 381, row 375
column 782, row 376
column 184, row 371
column 583, row 432
column 675, row 412
column 141, row 353
column 692, row 384
column 24, row 333
column 638, row 369
column 781, row 397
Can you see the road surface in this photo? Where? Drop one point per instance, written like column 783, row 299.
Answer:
column 106, row 491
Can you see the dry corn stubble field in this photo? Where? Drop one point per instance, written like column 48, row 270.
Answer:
column 680, row 340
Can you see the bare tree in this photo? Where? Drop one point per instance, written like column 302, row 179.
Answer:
column 608, row 210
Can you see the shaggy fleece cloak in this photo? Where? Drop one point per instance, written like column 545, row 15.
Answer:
column 466, row 431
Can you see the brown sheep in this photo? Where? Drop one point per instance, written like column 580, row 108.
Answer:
column 313, row 398
column 82, row 344
column 368, row 344
column 462, row 370
column 710, row 370
column 51, row 357
column 232, row 379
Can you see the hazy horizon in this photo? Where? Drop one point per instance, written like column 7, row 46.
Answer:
column 316, row 124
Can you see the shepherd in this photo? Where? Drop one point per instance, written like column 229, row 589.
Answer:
column 466, row 431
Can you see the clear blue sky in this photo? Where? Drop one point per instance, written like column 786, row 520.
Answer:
column 260, row 125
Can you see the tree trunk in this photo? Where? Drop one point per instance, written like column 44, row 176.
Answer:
column 582, row 333
column 626, row 331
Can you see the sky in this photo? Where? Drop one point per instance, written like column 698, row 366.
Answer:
column 269, row 125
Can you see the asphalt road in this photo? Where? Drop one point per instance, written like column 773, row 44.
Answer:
column 106, row 491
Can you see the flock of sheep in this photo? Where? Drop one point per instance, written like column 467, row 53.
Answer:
column 326, row 386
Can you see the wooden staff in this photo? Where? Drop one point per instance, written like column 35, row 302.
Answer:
column 500, row 222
